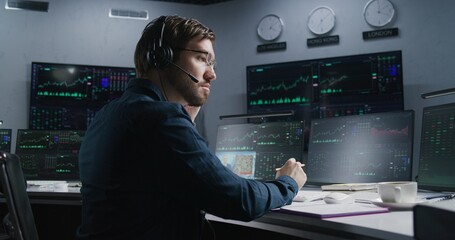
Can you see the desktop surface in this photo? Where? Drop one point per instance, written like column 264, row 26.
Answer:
column 392, row 225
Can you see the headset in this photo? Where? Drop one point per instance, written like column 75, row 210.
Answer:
column 160, row 55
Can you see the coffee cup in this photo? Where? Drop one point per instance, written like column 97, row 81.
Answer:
column 398, row 192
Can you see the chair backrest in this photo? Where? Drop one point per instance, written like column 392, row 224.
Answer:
column 15, row 192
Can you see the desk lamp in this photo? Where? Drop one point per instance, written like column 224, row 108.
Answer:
column 439, row 93
column 258, row 115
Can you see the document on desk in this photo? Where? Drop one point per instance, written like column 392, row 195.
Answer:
column 323, row 210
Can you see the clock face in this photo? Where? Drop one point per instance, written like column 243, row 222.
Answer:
column 270, row 27
column 378, row 13
column 321, row 20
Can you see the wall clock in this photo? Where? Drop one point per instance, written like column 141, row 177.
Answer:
column 270, row 27
column 378, row 13
column 321, row 20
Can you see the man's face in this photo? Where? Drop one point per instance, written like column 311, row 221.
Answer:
column 197, row 58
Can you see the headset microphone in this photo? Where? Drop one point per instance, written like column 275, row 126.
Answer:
column 193, row 78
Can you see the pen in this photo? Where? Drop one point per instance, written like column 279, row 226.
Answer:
column 278, row 169
column 443, row 197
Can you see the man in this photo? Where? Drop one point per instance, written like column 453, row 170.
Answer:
column 146, row 172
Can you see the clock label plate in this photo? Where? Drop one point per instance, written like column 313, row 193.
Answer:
column 322, row 41
column 383, row 33
column 271, row 47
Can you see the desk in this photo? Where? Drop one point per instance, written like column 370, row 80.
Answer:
column 392, row 225
column 57, row 216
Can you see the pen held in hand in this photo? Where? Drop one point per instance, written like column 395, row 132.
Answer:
column 278, row 169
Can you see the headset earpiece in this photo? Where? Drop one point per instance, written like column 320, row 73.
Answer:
column 160, row 55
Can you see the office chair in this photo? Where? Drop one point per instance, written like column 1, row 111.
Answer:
column 19, row 223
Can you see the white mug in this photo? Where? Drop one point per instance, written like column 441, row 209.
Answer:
column 398, row 192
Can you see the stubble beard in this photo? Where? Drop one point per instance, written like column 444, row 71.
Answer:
column 190, row 92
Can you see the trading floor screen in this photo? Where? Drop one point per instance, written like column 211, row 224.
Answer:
column 437, row 152
column 361, row 148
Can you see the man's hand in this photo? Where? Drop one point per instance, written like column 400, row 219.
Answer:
column 293, row 169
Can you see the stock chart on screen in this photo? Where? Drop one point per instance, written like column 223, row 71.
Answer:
column 67, row 96
column 365, row 148
column 256, row 150
column 49, row 154
column 328, row 87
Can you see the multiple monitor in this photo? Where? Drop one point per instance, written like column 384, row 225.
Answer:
column 67, row 96
column 365, row 148
column 330, row 87
column 340, row 100
column 64, row 98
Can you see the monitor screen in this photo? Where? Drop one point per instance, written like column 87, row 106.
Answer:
column 329, row 87
column 49, row 154
column 255, row 150
column 437, row 152
column 5, row 140
column 365, row 148
column 67, row 96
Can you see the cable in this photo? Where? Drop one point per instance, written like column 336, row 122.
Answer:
column 211, row 228
column 162, row 85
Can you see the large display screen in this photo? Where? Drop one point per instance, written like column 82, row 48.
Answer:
column 49, row 154
column 255, row 150
column 67, row 96
column 329, row 87
column 367, row 148
column 437, row 152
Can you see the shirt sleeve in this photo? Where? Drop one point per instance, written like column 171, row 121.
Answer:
column 211, row 186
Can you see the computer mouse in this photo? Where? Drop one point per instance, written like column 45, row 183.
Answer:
column 338, row 197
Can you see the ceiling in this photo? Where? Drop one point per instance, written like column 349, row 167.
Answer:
column 196, row 2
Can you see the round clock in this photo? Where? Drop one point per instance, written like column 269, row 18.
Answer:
column 378, row 13
column 270, row 27
column 321, row 20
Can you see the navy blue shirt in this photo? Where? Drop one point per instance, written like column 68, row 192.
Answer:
column 147, row 174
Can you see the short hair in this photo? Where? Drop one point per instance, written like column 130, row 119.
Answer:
column 177, row 33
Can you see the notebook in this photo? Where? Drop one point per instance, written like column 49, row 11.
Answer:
column 323, row 210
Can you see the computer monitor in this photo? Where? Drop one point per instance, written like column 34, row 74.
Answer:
column 336, row 86
column 49, row 154
column 255, row 150
column 327, row 87
column 437, row 151
column 67, row 96
column 5, row 140
column 366, row 148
